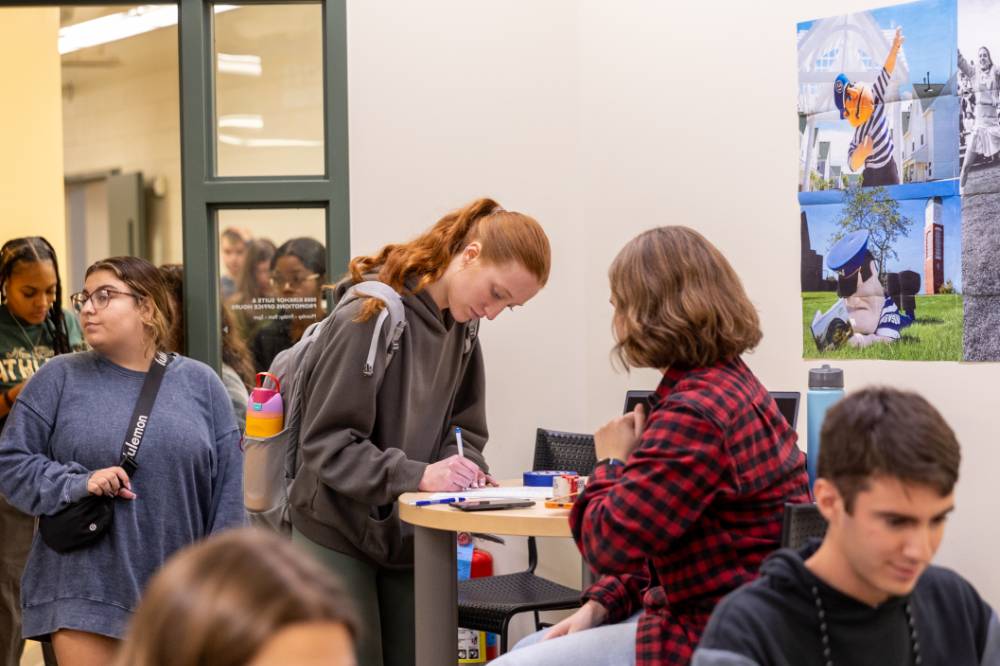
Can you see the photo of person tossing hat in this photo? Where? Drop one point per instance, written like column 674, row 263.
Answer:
column 863, row 106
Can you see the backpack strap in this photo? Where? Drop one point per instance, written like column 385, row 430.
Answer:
column 297, row 363
column 393, row 311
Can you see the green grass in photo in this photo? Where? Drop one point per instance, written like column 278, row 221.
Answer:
column 936, row 335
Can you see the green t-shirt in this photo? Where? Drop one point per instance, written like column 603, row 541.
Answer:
column 26, row 347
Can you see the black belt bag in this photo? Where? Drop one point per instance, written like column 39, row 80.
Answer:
column 85, row 522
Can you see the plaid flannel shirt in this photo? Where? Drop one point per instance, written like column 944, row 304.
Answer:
column 696, row 508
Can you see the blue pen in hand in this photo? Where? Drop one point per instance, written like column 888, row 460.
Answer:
column 444, row 500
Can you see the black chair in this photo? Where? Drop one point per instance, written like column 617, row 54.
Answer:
column 567, row 451
column 488, row 604
column 801, row 523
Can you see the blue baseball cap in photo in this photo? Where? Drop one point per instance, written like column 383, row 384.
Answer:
column 847, row 255
column 839, row 89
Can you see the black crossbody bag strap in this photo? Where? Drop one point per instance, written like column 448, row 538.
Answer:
column 140, row 415
column 86, row 521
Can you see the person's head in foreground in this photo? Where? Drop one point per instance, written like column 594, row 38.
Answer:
column 245, row 597
column 868, row 593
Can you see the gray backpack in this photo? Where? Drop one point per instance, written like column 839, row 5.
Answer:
column 270, row 463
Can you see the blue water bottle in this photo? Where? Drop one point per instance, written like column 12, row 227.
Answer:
column 826, row 386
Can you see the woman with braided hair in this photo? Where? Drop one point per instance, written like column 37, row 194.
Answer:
column 33, row 328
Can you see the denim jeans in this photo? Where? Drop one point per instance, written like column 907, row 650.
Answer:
column 384, row 601
column 606, row 645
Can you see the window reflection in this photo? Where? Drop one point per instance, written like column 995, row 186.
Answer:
column 272, row 268
column 269, row 90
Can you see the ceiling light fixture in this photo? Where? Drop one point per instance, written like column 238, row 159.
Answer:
column 269, row 143
column 244, row 121
column 120, row 25
column 244, row 65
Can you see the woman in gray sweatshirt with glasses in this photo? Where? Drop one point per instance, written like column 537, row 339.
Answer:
column 63, row 442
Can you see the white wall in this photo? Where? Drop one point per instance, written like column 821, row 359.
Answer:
column 603, row 119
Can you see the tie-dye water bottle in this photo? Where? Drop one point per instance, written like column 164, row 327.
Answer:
column 265, row 411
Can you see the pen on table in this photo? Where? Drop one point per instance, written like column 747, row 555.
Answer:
column 444, row 500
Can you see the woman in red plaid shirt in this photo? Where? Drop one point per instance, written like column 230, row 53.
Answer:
column 686, row 501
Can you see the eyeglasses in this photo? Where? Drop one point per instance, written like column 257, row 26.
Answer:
column 294, row 281
column 99, row 298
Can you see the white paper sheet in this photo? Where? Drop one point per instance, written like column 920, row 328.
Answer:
column 538, row 493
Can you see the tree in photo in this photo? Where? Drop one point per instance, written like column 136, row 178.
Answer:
column 871, row 209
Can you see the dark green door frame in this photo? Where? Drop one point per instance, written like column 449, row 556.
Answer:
column 204, row 193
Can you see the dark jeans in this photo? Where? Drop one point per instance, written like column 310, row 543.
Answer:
column 384, row 601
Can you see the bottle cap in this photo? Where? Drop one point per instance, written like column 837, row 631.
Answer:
column 826, row 377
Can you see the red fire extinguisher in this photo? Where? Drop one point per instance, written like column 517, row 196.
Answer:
column 482, row 565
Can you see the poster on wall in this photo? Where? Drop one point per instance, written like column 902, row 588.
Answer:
column 882, row 277
column 979, row 92
column 898, row 182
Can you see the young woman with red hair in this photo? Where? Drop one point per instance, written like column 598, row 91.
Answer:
column 367, row 439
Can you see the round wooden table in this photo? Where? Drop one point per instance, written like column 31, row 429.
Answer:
column 436, row 568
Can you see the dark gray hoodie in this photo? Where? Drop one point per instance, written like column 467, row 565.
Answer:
column 773, row 621
column 366, row 440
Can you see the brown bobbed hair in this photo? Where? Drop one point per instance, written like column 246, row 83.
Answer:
column 678, row 303
column 505, row 236
column 144, row 279
column 219, row 601
column 885, row 432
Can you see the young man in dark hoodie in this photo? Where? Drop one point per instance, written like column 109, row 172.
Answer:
column 867, row 594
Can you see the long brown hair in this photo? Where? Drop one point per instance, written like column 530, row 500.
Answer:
column 505, row 236
column 235, row 352
column 145, row 280
column 259, row 250
column 678, row 302
column 219, row 601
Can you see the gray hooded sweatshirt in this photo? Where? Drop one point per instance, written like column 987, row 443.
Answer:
column 366, row 440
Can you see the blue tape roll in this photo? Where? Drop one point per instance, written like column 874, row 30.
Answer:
column 544, row 478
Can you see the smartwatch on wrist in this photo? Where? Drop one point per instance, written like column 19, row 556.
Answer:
column 612, row 462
